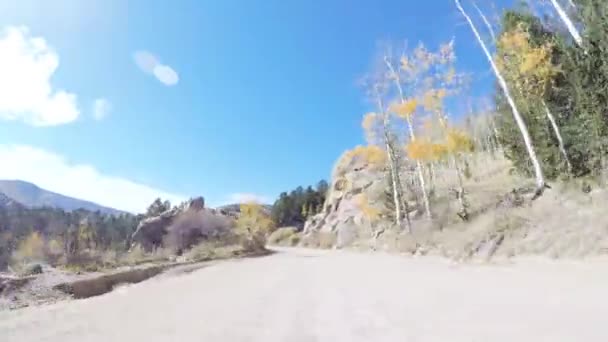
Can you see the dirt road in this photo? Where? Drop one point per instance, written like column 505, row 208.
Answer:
column 303, row 295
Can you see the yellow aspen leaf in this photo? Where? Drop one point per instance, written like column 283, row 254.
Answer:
column 371, row 154
column 450, row 75
column 369, row 126
column 419, row 149
column 439, row 151
column 368, row 211
column 404, row 109
column 441, row 93
column 458, row 141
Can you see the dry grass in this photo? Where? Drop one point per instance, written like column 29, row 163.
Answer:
column 323, row 240
column 138, row 256
column 287, row 236
column 209, row 250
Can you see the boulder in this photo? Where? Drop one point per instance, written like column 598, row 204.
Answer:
column 181, row 226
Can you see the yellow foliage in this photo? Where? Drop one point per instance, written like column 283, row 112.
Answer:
column 252, row 219
column 425, row 150
column 432, row 99
column 32, row 248
column 404, row 109
column 368, row 121
column 371, row 154
column 55, row 247
column 528, row 66
column 368, row 211
column 419, row 149
column 86, row 236
column 439, row 151
column 369, row 126
column 450, row 75
column 458, row 141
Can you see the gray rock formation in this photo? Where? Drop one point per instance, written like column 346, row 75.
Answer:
column 180, row 227
column 354, row 182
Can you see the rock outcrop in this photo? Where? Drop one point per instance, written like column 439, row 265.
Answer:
column 180, row 227
column 355, row 183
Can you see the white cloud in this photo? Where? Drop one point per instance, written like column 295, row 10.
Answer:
column 53, row 172
column 166, row 75
column 246, row 198
column 26, row 66
column 150, row 64
column 101, row 108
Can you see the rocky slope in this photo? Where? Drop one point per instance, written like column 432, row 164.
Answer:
column 353, row 181
column 564, row 222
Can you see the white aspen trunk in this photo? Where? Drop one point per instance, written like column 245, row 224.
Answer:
column 432, row 179
column 496, row 134
column 540, row 179
column 559, row 137
column 464, row 213
column 569, row 24
column 389, row 151
column 486, row 22
column 396, row 185
column 410, row 125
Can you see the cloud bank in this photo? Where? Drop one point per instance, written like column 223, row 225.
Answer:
column 27, row 64
column 55, row 173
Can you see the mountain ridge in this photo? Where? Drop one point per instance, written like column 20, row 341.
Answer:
column 32, row 196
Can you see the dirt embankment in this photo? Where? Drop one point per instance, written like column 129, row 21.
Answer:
column 54, row 284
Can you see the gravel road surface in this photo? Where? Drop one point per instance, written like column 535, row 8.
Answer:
column 302, row 295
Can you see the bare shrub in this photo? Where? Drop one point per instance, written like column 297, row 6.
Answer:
column 194, row 226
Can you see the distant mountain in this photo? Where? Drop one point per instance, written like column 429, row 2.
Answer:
column 32, row 196
column 7, row 202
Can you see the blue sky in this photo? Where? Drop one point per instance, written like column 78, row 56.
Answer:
column 263, row 98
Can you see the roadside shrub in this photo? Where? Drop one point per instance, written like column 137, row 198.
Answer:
column 31, row 249
column 327, row 240
column 294, row 240
column 192, row 227
column 322, row 240
column 134, row 256
column 201, row 252
column 31, row 269
column 253, row 225
column 282, row 236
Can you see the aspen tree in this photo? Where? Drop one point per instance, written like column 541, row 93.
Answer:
column 540, row 178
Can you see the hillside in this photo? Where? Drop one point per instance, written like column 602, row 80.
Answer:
column 32, row 196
